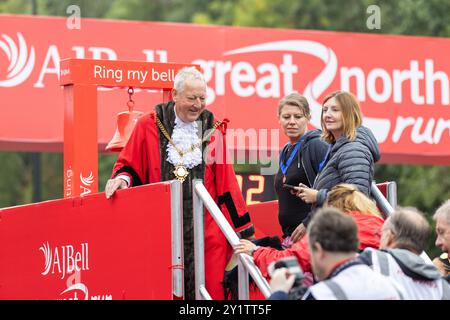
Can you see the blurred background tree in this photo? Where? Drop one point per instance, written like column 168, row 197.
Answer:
column 421, row 186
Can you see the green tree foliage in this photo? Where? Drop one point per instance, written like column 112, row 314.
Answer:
column 420, row 186
column 156, row 10
column 311, row 14
column 17, row 7
column 415, row 17
column 105, row 164
column 14, row 179
column 88, row 9
column 52, row 168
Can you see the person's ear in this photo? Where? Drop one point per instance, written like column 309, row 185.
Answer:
column 174, row 95
column 390, row 240
column 318, row 249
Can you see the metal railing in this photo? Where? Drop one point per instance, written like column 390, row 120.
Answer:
column 246, row 265
column 388, row 209
column 176, row 202
column 386, row 206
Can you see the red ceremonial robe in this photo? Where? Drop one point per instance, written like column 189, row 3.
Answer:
column 140, row 160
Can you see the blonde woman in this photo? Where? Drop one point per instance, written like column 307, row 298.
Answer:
column 352, row 153
column 348, row 199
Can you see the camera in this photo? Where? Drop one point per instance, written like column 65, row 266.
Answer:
column 291, row 263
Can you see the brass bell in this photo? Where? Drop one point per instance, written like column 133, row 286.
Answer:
column 126, row 121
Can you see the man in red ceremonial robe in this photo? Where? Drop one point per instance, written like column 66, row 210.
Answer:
column 175, row 136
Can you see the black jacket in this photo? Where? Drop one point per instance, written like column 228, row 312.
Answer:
column 349, row 162
column 291, row 210
column 311, row 153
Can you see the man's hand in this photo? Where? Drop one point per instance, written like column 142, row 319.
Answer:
column 112, row 185
column 281, row 280
column 298, row 233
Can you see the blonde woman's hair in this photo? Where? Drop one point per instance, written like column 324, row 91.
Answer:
column 296, row 100
column 351, row 115
column 348, row 198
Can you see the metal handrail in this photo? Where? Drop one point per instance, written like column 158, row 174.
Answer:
column 202, row 197
column 176, row 202
column 388, row 210
column 199, row 248
column 381, row 200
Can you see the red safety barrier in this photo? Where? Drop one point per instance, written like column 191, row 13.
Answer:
column 89, row 247
column 265, row 218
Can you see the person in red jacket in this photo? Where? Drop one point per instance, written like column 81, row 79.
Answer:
column 182, row 140
column 345, row 197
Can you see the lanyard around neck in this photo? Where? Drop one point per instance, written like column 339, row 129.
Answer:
column 284, row 167
column 324, row 161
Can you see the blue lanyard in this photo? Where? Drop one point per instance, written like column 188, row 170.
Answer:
column 324, row 161
column 285, row 167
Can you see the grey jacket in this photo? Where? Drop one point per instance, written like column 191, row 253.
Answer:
column 349, row 162
column 421, row 280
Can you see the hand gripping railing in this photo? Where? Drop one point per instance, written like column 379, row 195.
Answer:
column 388, row 209
column 246, row 264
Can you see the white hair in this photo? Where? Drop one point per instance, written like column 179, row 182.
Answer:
column 185, row 74
column 443, row 210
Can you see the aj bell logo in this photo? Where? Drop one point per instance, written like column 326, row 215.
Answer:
column 65, row 259
column 21, row 61
column 86, row 183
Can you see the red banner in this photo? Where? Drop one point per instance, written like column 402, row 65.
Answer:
column 401, row 81
column 111, row 73
column 89, row 247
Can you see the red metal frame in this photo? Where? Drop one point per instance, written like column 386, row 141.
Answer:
column 89, row 247
column 80, row 78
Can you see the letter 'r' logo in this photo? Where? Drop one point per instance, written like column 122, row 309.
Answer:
column 21, row 61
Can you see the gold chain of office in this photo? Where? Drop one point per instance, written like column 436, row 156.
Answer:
column 181, row 172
